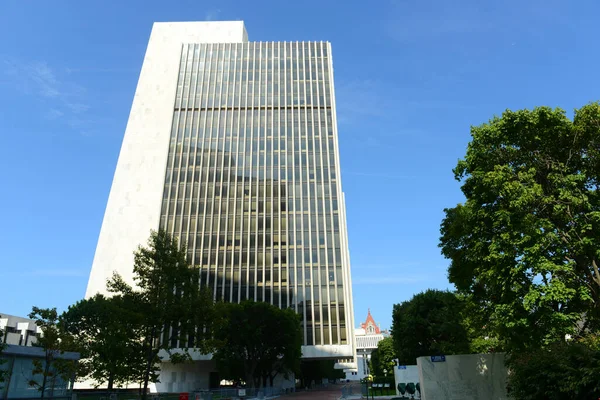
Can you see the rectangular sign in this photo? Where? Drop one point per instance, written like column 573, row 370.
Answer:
column 401, row 366
column 438, row 358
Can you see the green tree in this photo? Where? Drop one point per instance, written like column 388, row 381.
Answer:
column 107, row 331
column 53, row 368
column 481, row 336
column 176, row 312
column 3, row 371
column 257, row 341
column 317, row 370
column 525, row 245
column 383, row 358
column 430, row 323
column 562, row 370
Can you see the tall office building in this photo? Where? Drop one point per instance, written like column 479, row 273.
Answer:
column 232, row 147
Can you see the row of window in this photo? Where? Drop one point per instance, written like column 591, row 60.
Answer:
column 315, row 188
column 278, row 116
column 297, row 294
column 237, row 102
column 248, row 204
column 257, row 253
column 269, row 160
column 245, row 190
column 202, row 76
column 237, row 168
column 224, row 78
column 228, row 210
column 257, row 49
column 254, row 175
column 262, row 117
column 231, row 148
column 317, row 239
column 241, row 236
column 228, row 182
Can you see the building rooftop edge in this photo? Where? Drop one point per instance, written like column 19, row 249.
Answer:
column 201, row 22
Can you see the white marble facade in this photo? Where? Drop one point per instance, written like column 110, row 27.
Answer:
column 463, row 377
column 133, row 207
column 405, row 374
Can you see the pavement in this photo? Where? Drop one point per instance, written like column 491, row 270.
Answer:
column 331, row 392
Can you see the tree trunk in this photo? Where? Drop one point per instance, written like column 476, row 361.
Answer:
column 147, row 376
column 111, row 379
column 148, row 364
column 52, row 384
column 45, row 378
column 272, row 377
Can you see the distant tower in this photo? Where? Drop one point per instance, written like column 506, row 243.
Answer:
column 367, row 337
column 370, row 327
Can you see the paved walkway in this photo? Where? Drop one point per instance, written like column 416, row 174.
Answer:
column 332, row 391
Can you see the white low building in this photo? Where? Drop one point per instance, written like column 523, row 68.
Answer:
column 19, row 357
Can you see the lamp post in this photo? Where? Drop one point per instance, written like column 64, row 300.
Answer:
column 369, row 379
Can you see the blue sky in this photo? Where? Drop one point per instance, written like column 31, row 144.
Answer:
column 411, row 77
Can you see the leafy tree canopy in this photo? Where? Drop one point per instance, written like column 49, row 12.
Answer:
column 108, row 333
column 525, row 245
column 176, row 311
column 317, row 370
column 383, row 358
column 257, row 341
column 3, row 370
column 562, row 370
column 430, row 323
column 50, row 371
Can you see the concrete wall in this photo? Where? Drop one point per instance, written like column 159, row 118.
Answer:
column 463, row 377
column 327, row 351
column 186, row 377
column 189, row 377
column 133, row 207
column 405, row 374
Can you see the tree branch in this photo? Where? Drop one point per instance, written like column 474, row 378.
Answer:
column 596, row 272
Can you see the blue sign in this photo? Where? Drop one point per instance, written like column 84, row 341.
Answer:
column 438, row 358
column 401, row 366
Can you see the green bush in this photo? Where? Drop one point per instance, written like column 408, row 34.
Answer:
column 565, row 370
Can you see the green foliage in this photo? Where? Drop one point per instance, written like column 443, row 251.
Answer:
column 562, row 370
column 317, row 370
column 383, row 358
column 257, row 341
column 430, row 323
column 175, row 312
column 107, row 331
column 525, row 245
column 482, row 338
column 3, row 372
column 54, row 342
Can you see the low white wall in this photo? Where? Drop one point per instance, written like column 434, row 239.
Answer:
column 462, row 377
column 281, row 381
column 184, row 377
column 405, row 374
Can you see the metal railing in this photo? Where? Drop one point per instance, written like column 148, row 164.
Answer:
column 351, row 391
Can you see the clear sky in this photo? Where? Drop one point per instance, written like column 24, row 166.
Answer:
column 410, row 76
